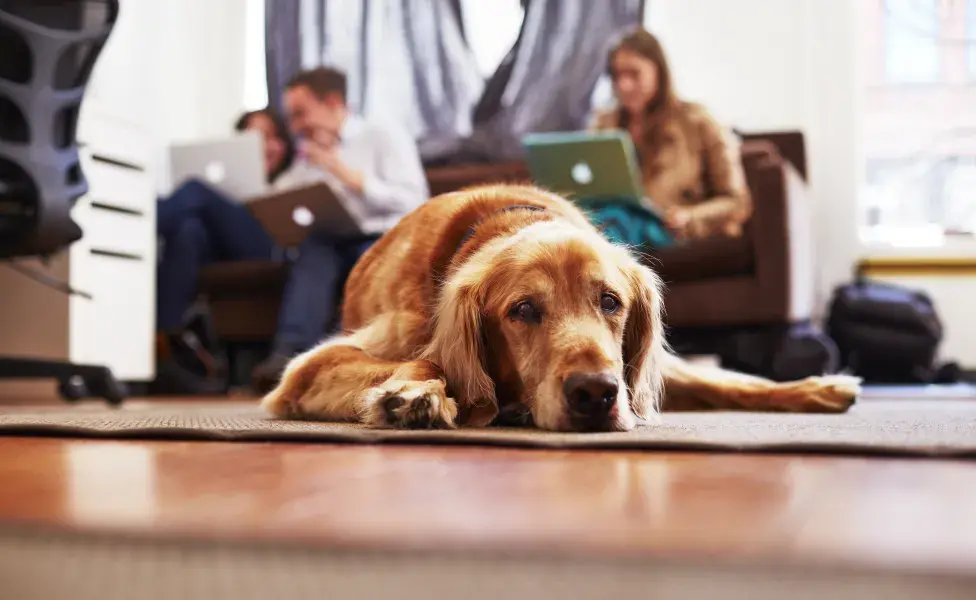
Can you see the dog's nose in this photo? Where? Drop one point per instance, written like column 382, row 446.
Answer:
column 591, row 394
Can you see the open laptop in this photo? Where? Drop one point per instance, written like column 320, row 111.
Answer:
column 583, row 164
column 234, row 165
column 590, row 167
column 288, row 216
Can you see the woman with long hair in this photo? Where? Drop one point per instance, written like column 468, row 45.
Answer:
column 690, row 167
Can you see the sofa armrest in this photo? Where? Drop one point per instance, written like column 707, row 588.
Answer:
column 782, row 238
column 442, row 180
column 789, row 144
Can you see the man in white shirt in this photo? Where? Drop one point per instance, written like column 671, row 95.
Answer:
column 375, row 171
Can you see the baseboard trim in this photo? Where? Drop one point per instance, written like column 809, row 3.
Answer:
column 927, row 266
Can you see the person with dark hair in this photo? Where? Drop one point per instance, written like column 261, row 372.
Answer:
column 198, row 225
column 279, row 150
column 690, row 166
column 377, row 174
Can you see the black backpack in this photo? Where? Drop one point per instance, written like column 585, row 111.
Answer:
column 885, row 333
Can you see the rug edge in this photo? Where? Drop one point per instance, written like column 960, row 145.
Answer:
column 434, row 438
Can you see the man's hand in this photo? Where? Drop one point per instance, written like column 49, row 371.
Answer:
column 325, row 155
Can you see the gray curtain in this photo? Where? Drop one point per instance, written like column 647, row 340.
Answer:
column 406, row 60
column 547, row 81
column 283, row 54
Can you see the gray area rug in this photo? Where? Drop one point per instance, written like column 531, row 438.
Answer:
column 926, row 427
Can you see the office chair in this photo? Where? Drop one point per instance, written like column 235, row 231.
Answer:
column 47, row 51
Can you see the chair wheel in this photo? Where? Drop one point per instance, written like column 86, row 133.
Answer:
column 115, row 392
column 105, row 385
column 73, row 388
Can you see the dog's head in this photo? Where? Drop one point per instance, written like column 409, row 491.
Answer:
column 560, row 321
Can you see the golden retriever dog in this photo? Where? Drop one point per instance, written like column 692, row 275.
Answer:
column 503, row 304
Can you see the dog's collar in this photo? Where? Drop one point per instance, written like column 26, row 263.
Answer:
column 474, row 226
column 441, row 266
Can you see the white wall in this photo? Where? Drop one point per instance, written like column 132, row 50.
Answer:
column 953, row 299
column 200, row 66
column 199, row 79
column 780, row 64
column 189, row 55
column 721, row 55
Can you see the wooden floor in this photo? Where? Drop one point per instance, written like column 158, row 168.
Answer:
column 904, row 515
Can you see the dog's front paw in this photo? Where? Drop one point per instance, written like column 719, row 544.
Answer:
column 409, row 405
column 829, row 393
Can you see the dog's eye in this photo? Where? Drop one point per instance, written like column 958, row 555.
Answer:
column 609, row 304
column 526, row 311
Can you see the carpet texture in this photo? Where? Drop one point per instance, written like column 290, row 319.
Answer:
column 908, row 427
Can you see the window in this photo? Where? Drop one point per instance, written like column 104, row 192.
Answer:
column 918, row 185
column 911, row 41
column 491, row 29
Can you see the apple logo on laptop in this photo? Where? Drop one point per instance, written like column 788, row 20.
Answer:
column 302, row 216
column 215, row 172
column 581, row 173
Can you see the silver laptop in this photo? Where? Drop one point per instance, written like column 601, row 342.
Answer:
column 233, row 166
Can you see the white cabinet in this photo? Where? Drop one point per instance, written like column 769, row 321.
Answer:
column 115, row 261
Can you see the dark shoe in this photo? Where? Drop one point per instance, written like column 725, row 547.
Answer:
column 173, row 380
column 268, row 373
column 184, row 367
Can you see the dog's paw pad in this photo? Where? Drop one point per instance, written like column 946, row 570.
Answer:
column 410, row 405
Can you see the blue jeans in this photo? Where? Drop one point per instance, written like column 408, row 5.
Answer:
column 310, row 306
column 198, row 225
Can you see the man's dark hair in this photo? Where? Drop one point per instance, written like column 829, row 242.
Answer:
column 321, row 81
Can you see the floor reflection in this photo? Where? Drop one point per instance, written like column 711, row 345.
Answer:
column 110, row 483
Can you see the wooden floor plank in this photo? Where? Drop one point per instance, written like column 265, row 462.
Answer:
column 878, row 513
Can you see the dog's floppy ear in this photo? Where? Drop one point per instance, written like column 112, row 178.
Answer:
column 458, row 347
column 644, row 348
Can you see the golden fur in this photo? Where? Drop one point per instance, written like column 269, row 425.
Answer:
column 475, row 307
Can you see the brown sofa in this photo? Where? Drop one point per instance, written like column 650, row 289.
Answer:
column 763, row 278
